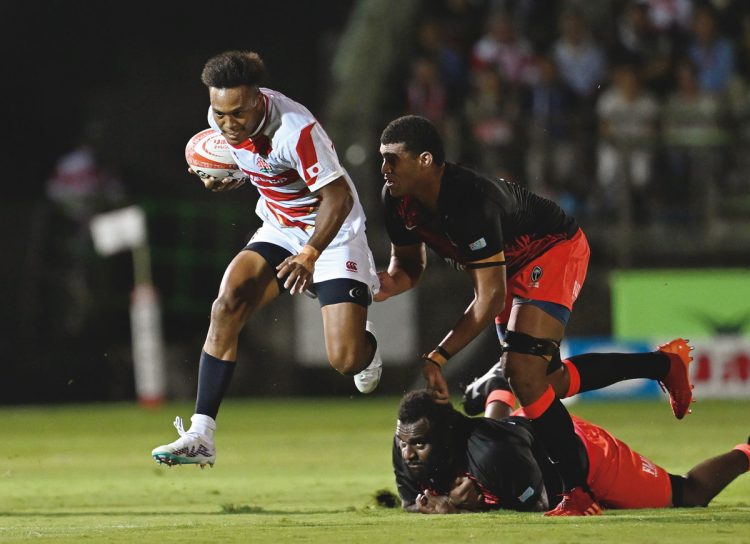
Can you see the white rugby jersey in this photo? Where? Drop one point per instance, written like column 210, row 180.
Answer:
column 288, row 160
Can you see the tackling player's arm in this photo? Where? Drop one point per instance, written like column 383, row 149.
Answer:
column 404, row 271
column 464, row 497
column 488, row 276
column 336, row 202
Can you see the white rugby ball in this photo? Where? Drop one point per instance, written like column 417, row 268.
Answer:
column 208, row 154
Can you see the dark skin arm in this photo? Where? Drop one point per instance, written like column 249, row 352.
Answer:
column 404, row 271
column 465, row 497
column 219, row 185
column 489, row 300
column 336, row 202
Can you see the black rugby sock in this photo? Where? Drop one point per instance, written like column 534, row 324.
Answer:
column 214, row 376
column 555, row 428
column 597, row 370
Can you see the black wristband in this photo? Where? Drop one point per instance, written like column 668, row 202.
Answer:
column 442, row 351
column 426, row 358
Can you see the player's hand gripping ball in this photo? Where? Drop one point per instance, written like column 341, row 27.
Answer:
column 207, row 153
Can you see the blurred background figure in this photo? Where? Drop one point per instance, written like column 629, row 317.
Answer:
column 695, row 140
column 80, row 187
column 639, row 41
column 579, row 58
column 553, row 155
column 492, row 114
column 503, row 50
column 628, row 117
column 711, row 51
column 426, row 94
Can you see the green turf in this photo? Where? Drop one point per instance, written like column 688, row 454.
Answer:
column 306, row 471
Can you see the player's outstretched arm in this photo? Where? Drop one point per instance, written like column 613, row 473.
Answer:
column 404, row 271
column 336, row 202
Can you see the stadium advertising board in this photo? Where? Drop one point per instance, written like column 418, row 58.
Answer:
column 695, row 304
column 720, row 369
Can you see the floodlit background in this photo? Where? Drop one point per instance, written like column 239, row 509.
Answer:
column 634, row 115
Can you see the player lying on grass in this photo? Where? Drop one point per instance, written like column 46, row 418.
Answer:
column 525, row 257
column 446, row 462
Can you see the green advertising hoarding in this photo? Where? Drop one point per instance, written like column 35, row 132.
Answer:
column 689, row 303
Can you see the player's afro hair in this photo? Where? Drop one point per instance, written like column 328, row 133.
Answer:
column 419, row 404
column 417, row 134
column 234, row 68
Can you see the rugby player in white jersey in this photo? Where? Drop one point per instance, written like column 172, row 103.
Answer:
column 312, row 240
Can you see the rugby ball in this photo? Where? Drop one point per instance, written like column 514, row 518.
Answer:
column 208, row 154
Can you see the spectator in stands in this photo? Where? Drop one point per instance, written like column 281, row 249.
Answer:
column 425, row 92
column 638, row 41
column 492, row 114
column 711, row 51
column 670, row 15
column 80, row 187
column 628, row 117
column 445, row 48
column 695, row 140
column 502, row 49
column 550, row 109
column 580, row 61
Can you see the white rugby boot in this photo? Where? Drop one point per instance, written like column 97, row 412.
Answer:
column 194, row 447
column 367, row 380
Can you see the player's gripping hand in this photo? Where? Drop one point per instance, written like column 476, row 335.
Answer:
column 218, row 185
column 436, row 384
column 466, row 495
column 298, row 270
column 387, row 287
column 428, row 503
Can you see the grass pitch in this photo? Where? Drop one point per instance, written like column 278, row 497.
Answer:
column 306, row 470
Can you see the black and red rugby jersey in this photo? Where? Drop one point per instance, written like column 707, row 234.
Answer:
column 502, row 457
column 477, row 218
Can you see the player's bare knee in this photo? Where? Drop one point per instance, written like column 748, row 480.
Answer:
column 525, row 375
column 345, row 362
column 236, row 301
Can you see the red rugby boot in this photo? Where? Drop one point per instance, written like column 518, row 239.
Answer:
column 677, row 381
column 576, row 502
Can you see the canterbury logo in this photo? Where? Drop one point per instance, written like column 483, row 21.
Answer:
column 351, row 266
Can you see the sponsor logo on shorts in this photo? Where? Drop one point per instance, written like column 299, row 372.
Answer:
column 351, row 266
column 356, row 293
column 536, row 274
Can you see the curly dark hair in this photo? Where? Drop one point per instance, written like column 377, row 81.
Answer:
column 417, row 134
column 234, row 68
column 419, row 404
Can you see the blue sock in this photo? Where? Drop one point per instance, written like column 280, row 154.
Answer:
column 214, row 376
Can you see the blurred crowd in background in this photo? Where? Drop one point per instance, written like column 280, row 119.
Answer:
column 592, row 102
